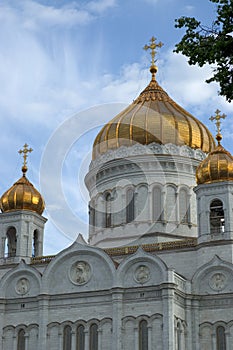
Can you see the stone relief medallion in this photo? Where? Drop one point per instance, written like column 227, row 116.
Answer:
column 218, row 281
column 142, row 274
column 22, row 286
column 80, row 272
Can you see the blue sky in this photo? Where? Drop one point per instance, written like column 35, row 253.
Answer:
column 66, row 68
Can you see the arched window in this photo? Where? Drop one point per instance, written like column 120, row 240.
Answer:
column 184, row 206
column 217, row 221
column 108, row 217
column 221, row 338
column 67, row 338
column 35, row 244
column 130, row 205
column 80, row 338
column 21, row 340
column 157, row 208
column 143, row 335
column 11, row 241
column 93, row 337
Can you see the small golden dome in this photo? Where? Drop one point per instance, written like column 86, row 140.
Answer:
column 218, row 165
column 153, row 117
column 22, row 195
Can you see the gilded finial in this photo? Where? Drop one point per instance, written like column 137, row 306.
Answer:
column 25, row 152
column 217, row 119
column 153, row 45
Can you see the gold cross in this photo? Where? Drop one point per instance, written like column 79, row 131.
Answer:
column 25, row 152
column 218, row 118
column 153, row 47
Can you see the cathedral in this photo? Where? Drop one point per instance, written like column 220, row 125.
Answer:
column 157, row 270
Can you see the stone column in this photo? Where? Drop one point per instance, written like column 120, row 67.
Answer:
column 149, row 338
column 43, row 305
column 136, row 338
column 60, row 340
column 195, row 323
column 213, row 340
column 228, row 340
column 26, row 336
column 188, row 332
column 117, row 297
column 100, row 339
column 168, row 318
column 14, row 340
column 86, row 332
column 73, row 340
column 2, row 312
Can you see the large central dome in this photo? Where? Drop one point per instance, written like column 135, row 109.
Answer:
column 153, row 117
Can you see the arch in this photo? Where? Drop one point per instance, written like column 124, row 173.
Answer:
column 130, row 205
column 184, row 206
column 108, row 210
column 157, row 205
column 21, row 339
column 11, row 241
column 217, row 220
column 93, row 345
column 67, row 337
column 220, row 338
column 143, row 335
column 80, row 337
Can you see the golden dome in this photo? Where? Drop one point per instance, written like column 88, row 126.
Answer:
column 22, row 196
column 218, row 165
column 153, row 117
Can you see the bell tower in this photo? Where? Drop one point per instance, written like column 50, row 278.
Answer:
column 215, row 191
column 21, row 220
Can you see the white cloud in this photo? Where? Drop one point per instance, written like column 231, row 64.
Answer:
column 37, row 14
column 101, row 5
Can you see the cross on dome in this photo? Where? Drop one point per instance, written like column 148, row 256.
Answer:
column 25, row 152
column 153, row 46
column 217, row 119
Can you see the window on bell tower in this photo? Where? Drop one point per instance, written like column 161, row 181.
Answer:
column 217, row 221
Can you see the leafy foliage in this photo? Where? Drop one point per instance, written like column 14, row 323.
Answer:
column 213, row 45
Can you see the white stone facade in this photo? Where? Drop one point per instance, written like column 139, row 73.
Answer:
column 162, row 283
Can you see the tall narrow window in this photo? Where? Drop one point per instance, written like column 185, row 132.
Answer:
column 11, row 242
column 35, row 244
column 80, row 338
column 67, row 338
column 217, row 221
column 93, row 337
column 108, row 220
column 143, row 335
column 21, row 340
column 130, row 205
column 221, row 338
column 157, row 204
column 184, row 206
